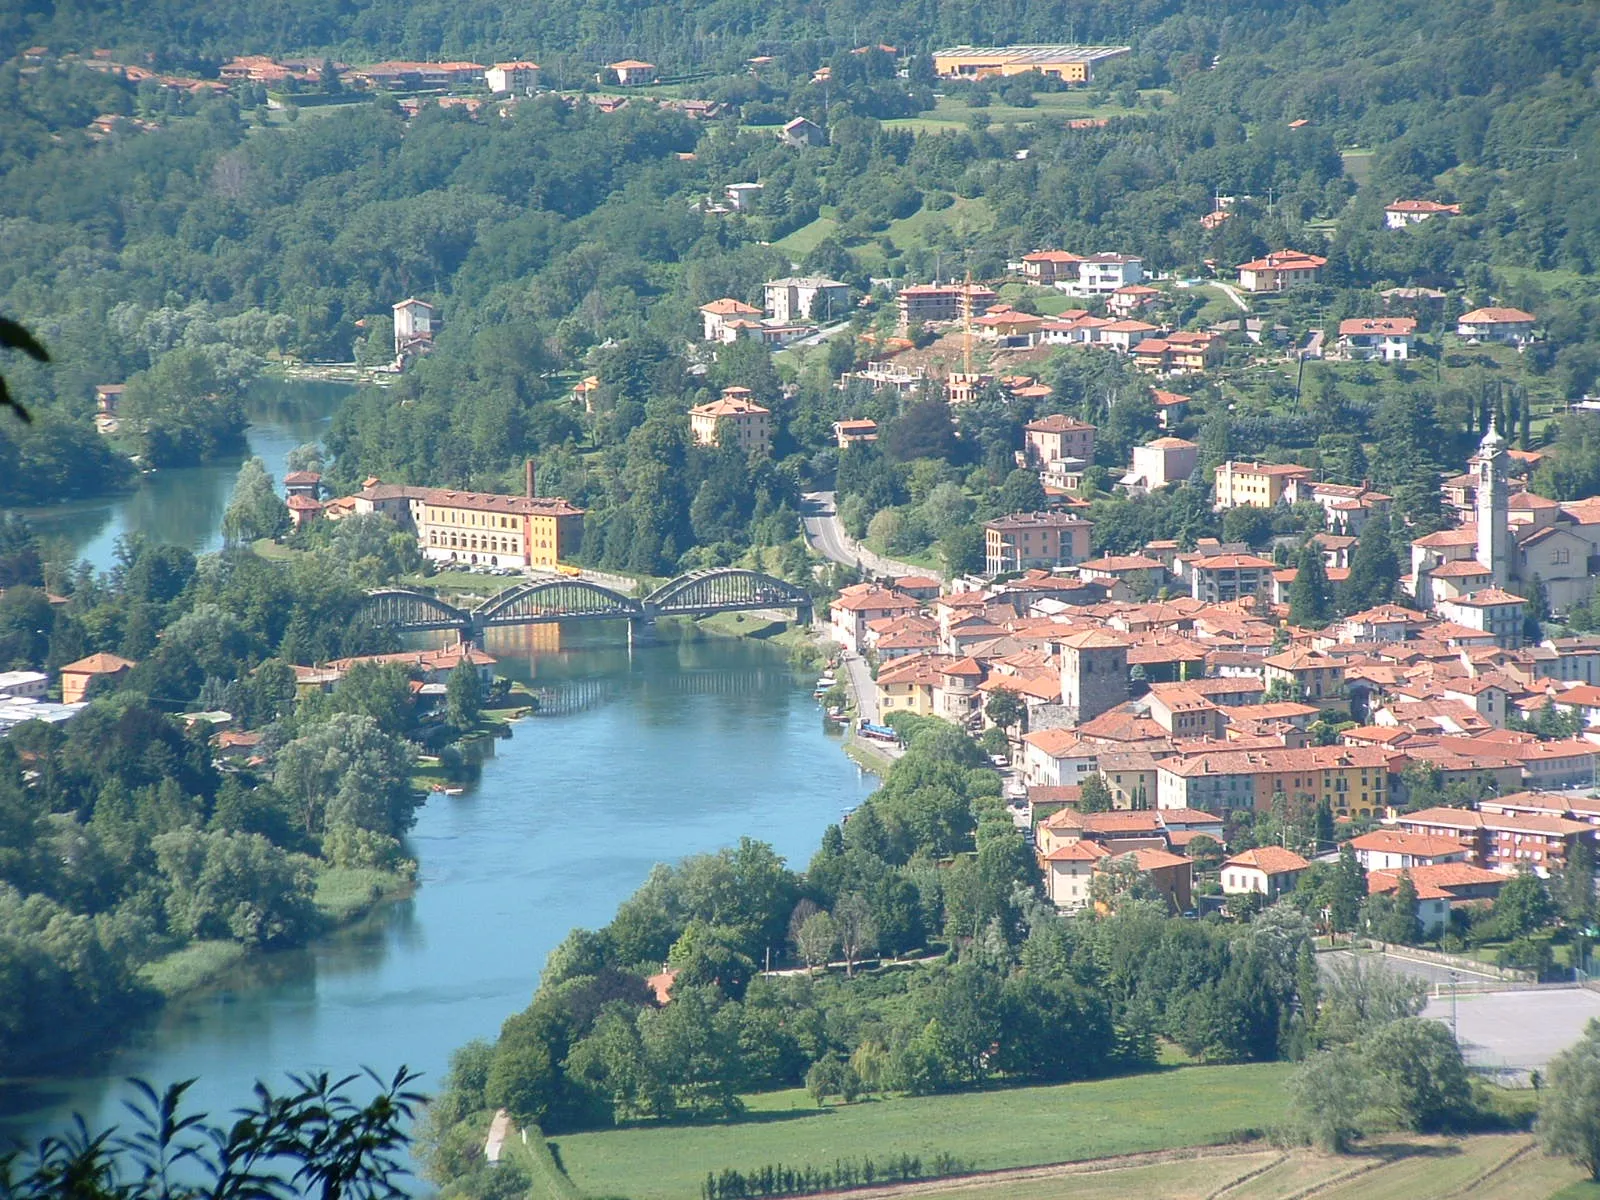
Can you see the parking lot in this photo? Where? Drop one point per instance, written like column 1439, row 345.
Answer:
column 1430, row 973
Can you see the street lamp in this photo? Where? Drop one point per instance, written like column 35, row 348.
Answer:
column 1455, row 1032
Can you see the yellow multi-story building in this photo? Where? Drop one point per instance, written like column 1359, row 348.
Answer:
column 1070, row 64
column 480, row 528
column 1260, row 485
column 733, row 420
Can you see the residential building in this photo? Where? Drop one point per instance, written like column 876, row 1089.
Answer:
column 303, row 509
column 512, row 76
column 1220, row 578
column 1215, row 782
column 733, row 420
column 800, row 133
column 1172, row 875
column 742, row 196
column 80, row 679
column 1049, row 267
column 924, row 302
column 1503, row 841
column 724, row 318
column 1129, row 576
column 1157, row 463
column 1390, row 849
column 854, row 433
column 1007, row 327
column 1023, row 540
column 1057, row 757
column 807, row 298
column 1268, row 871
column 1057, row 437
column 630, row 72
column 1308, row 674
column 1440, row 888
column 1132, row 298
column 1281, row 271
column 1259, row 484
column 1386, row 339
column 1104, row 274
column 414, row 327
column 1068, row 63
column 1068, row 872
column 1180, row 353
column 1491, row 609
column 1495, row 325
column 1413, row 212
column 860, row 604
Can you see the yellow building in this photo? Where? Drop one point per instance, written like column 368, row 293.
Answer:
column 479, row 528
column 910, row 685
column 1070, row 64
column 1260, row 485
column 733, row 420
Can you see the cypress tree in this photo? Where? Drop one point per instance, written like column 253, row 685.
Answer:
column 1309, row 603
column 1374, row 570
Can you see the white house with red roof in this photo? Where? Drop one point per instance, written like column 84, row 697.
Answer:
column 1495, row 324
column 1413, row 212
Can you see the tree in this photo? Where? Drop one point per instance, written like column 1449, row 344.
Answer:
column 816, row 939
column 1309, row 604
column 1522, row 906
column 1424, row 1081
column 1093, row 794
column 239, row 886
column 1022, row 492
column 1005, row 709
column 962, row 550
column 255, row 510
column 1374, row 570
column 1329, row 1093
column 1573, row 885
column 1569, row 1103
column 463, row 696
column 858, row 933
column 348, row 771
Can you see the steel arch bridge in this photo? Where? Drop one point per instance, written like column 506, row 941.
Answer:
column 699, row 593
column 725, row 589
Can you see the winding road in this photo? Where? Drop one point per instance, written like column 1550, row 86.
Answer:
column 819, row 516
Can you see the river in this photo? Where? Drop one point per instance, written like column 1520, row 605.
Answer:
column 669, row 750
column 646, row 756
column 183, row 506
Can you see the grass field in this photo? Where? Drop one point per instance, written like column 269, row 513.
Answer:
column 1012, row 1128
column 178, row 972
column 1052, row 108
column 1496, row 1167
column 344, row 893
column 807, row 238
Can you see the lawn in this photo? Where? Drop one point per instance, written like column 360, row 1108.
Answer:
column 1013, row 1127
column 951, row 112
column 1357, row 165
column 196, row 963
column 807, row 238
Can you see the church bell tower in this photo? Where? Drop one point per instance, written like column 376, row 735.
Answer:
column 1489, row 469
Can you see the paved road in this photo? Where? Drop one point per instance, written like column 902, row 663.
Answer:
column 1430, row 973
column 861, row 683
column 820, row 517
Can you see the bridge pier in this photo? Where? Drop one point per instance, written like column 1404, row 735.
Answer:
column 641, row 631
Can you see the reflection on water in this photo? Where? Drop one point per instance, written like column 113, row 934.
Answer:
column 184, row 506
column 697, row 744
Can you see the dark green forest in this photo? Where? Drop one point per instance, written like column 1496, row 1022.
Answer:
column 556, row 239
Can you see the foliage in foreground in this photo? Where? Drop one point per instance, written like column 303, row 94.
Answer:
column 312, row 1141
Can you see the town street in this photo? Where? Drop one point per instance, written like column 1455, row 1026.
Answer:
column 819, row 516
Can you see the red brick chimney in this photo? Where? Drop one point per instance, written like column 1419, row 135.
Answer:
column 528, row 484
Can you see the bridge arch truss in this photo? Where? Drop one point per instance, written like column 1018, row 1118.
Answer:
column 406, row 608
column 725, row 589
column 555, row 600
